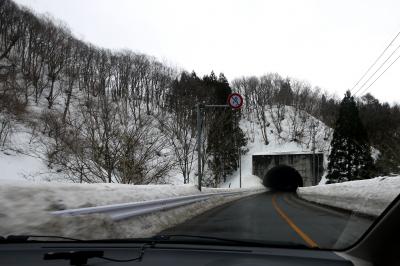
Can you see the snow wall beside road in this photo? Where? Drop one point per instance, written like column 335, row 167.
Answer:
column 26, row 208
column 369, row 197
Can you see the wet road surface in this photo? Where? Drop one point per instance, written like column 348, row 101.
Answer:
column 278, row 218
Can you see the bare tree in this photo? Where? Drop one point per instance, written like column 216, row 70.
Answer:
column 11, row 27
column 277, row 109
column 182, row 139
column 71, row 71
column 263, row 99
column 5, row 129
column 56, row 55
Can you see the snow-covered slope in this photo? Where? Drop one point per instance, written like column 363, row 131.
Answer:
column 369, row 196
column 22, row 158
column 277, row 143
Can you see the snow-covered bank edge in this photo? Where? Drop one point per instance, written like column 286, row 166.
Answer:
column 369, row 197
column 25, row 208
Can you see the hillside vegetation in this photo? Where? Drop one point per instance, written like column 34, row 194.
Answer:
column 96, row 115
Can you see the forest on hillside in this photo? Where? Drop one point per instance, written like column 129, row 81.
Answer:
column 120, row 116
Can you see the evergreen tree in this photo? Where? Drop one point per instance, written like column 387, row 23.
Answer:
column 285, row 93
column 350, row 157
column 382, row 123
column 225, row 138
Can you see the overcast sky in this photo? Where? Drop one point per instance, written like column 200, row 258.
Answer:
column 328, row 43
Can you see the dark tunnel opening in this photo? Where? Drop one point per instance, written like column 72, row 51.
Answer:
column 283, row 178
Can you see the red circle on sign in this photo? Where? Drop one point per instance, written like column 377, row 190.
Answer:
column 235, row 100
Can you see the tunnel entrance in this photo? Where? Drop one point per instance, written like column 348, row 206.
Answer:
column 284, row 178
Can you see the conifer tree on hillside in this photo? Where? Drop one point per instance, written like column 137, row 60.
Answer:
column 350, row 157
column 225, row 138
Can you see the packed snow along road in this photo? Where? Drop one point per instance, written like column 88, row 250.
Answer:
column 26, row 208
column 369, row 197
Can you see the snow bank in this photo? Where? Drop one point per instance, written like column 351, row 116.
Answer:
column 369, row 197
column 248, row 181
column 25, row 208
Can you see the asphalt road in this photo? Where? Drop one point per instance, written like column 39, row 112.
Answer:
column 277, row 218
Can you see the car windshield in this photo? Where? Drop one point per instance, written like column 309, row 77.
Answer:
column 272, row 123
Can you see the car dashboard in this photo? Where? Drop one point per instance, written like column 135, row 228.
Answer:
column 163, row 254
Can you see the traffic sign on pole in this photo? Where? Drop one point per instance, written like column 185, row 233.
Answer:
column 235, row 100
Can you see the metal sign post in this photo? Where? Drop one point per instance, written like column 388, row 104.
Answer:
column 239, row 155
column 199, row 119
column 235, row 101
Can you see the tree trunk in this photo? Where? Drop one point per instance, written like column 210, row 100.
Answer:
column 50, row 97
column 69, row 94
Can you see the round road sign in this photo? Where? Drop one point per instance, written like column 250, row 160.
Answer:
column 235, row 100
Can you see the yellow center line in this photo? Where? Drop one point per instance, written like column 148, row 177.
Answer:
column 303, row 235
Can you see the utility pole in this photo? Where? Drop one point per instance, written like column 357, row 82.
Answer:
column 199, row 130
column 313, row 156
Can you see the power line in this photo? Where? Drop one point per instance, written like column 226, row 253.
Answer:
column 373, row 64
column 373, row 74
column 380, row 75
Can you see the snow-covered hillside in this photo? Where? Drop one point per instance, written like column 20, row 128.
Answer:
column 277, row 143
column 23, row 157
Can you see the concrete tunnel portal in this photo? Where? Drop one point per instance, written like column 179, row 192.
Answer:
column 283, row 178
column 288, row 170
